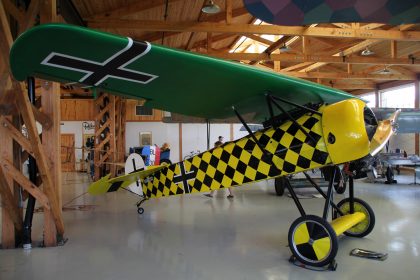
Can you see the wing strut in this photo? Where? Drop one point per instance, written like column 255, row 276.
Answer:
column 266, row 155
column 272, row 100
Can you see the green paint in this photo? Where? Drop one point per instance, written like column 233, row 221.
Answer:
column 188, row 83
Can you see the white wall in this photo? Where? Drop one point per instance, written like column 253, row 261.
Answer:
column 194, row 136
column 161, row 133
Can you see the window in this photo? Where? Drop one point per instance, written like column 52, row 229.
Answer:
column 143, row 111
column 401, row 97
column 370, row 99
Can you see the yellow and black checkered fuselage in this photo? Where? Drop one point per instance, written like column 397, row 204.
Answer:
column 242, row 161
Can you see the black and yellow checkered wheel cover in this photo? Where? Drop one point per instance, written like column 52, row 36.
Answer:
column 311, row 241
column 242, row 161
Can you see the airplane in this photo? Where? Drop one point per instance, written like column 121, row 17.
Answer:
column 306, row 125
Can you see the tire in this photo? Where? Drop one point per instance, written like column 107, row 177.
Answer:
column 140, row 210
column 280, row 185
column 313, row 241
column 364, row 227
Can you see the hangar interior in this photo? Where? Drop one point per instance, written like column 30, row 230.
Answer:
column 75, row 234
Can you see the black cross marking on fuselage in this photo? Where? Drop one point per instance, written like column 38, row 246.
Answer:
column 113, row 67
column 185, row 177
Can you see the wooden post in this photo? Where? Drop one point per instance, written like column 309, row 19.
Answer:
column 40, row 155
column 10, row 212
column 228, row 8
column 112, row 131
column 209, row 42
column 105, row 146
column 50, row 98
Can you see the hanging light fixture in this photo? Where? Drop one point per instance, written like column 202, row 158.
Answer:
column 367, row 52
column 210, row 8
column 284, row 49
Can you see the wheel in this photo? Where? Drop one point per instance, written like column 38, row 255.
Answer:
column 390, row 176
column 280, row 185
column 140, row 210
column 313, row 241
column 364, row 227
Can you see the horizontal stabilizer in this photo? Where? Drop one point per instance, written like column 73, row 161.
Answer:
column 105, row 184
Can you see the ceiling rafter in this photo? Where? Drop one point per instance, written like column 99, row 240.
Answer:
column 133, row 8
column 151, row 25
column 289, row 57
column 345, row 75
column 356, row 48
column 11, row 8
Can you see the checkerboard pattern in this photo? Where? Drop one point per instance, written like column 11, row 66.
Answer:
column 288, row 150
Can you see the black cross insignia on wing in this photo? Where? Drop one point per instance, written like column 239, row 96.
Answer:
column 184, row 177
column 113, row 67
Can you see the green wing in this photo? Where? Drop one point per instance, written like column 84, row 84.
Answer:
column 169, row 79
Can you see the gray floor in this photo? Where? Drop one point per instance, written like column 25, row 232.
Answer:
column 195, row 237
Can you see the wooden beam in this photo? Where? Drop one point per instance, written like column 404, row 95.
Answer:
column 342, row 75
column 11, row 8
column 6, row 142
column 346, row 85
column 277, row 66
column 51, row 140
column 24, row 182
column 40, row 155
column 144, row 25
column 356, row 48
column 274, row 46
column 42, row 118
column 394, row 49
column 305, row 45
column 259, row 39
column 403, row 71
column 133, row 8
column 342, row 25
column 192, row 35
column 6, row 41
column 30, row 16
column 209, row 42
column 404, row 27
column 295, row 67
column 372, row 26
column 298, row 58
column 10, row 208
column 228, row 11
column 7, row 126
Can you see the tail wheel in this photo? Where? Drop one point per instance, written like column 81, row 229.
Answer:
column 313, row 241
column 364, row 227
column 280, row 185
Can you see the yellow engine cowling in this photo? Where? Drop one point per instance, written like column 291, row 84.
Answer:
column 344, row 131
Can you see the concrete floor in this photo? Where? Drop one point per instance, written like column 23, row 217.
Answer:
column 195, row 237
